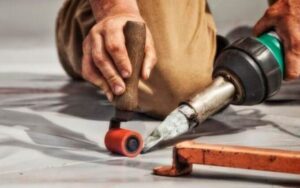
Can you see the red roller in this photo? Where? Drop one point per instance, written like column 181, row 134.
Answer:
column 124, row 142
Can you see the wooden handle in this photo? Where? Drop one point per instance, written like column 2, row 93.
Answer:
column 135, row 38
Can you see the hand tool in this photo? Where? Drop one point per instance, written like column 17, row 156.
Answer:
column 118, row 140
column 245, row 73
column 186, row 154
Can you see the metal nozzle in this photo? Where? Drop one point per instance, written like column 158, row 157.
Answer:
column 219, row 94
column 190, row 114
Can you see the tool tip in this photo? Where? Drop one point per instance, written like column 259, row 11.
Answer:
column 174, row 125
column 152, row 141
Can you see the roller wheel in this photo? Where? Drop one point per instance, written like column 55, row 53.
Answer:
column 124, row 142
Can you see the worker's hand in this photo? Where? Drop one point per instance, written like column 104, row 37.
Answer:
column 105, row 60
column 284, row 18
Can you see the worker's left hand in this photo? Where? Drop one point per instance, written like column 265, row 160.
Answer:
column 284, row 18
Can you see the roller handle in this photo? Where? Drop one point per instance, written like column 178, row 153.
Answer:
column 135, row 37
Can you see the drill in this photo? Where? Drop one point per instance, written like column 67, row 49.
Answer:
column 246, row 72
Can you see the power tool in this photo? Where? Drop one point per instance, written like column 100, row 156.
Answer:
column 247, row 72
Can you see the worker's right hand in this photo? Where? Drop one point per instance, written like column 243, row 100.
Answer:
column 105, row 60
column 284, row 18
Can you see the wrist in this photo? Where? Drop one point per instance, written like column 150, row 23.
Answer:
column 106, row 8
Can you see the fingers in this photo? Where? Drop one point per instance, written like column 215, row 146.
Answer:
column 282, row 16
column 103, row 62
column 105, row 59
column 150, row 57
column 292, row 66
column 115, row 46
column 289, row 34
column 291, row 41
column 91, row 74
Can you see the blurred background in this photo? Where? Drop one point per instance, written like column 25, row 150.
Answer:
column 27, row 30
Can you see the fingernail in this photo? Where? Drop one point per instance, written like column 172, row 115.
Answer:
column 109, row 97
column 118, row 89
column 125, row 74
column 148, row 72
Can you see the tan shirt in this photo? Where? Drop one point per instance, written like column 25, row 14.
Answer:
column 185, row 39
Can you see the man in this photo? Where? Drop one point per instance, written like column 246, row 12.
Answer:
column 179, row 52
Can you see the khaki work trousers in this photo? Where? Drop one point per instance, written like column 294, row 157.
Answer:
column 185, row 40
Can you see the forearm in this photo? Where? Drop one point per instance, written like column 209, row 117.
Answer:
column 104, row 8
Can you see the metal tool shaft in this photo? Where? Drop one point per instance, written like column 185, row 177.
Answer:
column 193, row 112
column 219, row 94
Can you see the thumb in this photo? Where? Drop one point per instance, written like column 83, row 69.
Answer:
column 263, row 25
